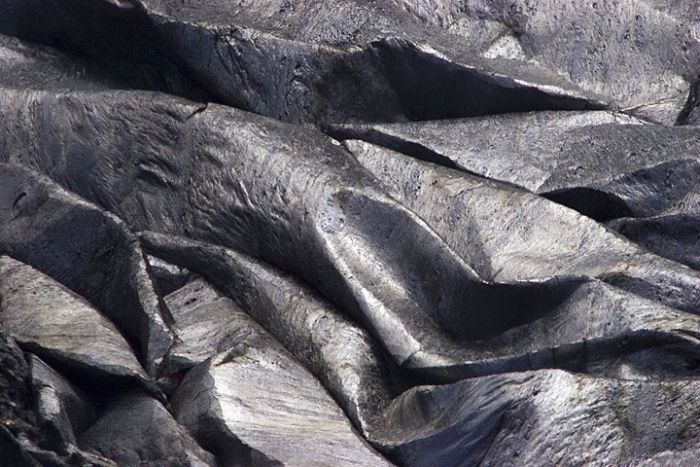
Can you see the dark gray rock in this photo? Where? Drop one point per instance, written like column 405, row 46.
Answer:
column 86, row 249
column 673, row 232
column 304, row 62
column 24, row 439
column 644, row 55
column 255, row 405
column 597, row 328
column 550, row 416
column 53, row 322
column 167, row 276
column 509, row 234
column 58, row 404
column 603, row 164
column 339, row 352
column 287, row 195
column 137, row 430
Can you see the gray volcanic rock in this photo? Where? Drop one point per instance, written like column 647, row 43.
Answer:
column 508, row 234
column 53, row 322
column 551, row 416
column 206, row 324
column 644, row 55
column 672, row 233
column 85, row 248
column 292, row 421
column 59, row 404
column 167, row 277
column 305, row 62
column 281, row 193
column 603, row 164
column 597, row 328
column 339, row 352
column 137, row 430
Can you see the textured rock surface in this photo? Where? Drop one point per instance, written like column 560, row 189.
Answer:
column 48, row 319
column 643, row 54
column 147, row 435
column 304, row 61
column 411, row 232
column 293, row 422
column 41, row 222
column 520, row 419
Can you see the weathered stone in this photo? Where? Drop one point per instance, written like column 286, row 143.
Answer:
column 206, row 324
column 291, row 421
column 304, row 62
column 86, row 249
column 508, row 234
column 166, row 276
column 51, row 321
column 58, row 404
column 644, row 55
column 603, row 164
column 137, row 430
column 340, row 353
column 550, row 416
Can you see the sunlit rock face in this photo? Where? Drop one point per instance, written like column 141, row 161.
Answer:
column 400, row 232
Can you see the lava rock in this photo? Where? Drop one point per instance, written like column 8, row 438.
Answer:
column 167, row 276
column 339, row 352
column 56, row 324
column 508, row 234
column 136, row 429
column 292, row 421
column 86, row 249
column 206, row 324
column 304, row 62
column 597, row 329
column 59, row 404
column 276, row 192
column 603, row 164
column 520, row 419
column 643, row 55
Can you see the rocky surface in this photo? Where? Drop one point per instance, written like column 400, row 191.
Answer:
column 399, row 232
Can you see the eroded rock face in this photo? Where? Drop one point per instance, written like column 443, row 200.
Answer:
column 41, row 222
column 203, row 277
column 147, row 435
column 643, row 54
column 520, row 419
column 293, row 421
column 50, row 320
column 304, row 62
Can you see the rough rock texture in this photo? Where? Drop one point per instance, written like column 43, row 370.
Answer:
column 519, row 419
column 308, row 61
column 50, row 320
column 41, row 222
column 643, row 55
column 349, row 232
column 292, row 422
column 147, row 435
column 341, row 354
